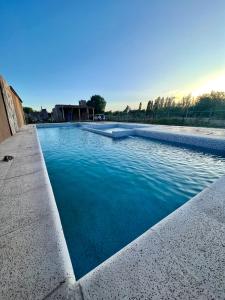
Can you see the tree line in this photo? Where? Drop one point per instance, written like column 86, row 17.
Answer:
column 206, row 105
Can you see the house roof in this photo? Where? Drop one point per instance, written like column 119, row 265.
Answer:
column 73, row 106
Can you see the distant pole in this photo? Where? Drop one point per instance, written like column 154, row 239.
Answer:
column 63, row 113
column 87, row 111
column 186, row 113
column 79, row 113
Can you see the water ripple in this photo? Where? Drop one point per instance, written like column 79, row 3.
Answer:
column 108, row 192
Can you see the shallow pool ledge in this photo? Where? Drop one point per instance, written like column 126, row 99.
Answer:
column 202, row 140
column 35, row 262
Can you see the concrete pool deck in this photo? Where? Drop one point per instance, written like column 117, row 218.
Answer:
column 207, row 138
column 34, row 256
column 181, row 257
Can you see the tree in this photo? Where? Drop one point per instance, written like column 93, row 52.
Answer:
column 169, row 102
column 186, row 101
column 127, row 109
column 149, row 105
column 98, row 103
column 212, row 101
column 210, row 105
column 28, row 110
column 108, row 112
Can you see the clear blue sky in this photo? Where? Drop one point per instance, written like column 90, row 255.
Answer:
column 60, row 51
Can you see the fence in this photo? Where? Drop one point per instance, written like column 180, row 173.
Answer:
column 214, row 118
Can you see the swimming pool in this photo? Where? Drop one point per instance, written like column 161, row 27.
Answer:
column 108, row 191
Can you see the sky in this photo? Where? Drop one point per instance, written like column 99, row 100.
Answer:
column 128, row 51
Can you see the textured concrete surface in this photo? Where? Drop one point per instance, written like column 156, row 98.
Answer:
column 208, row 139
column 220, row 132
column 192, row 130
column 181, row 257
column 66, row 291
column 34, row 260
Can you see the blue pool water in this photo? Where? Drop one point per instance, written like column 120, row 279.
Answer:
column 108, row 191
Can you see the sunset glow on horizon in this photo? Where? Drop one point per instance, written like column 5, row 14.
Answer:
column 126, row 51
column 215, row 83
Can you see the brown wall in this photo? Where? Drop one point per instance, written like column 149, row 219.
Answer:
column 4, row 124
column 11, row 111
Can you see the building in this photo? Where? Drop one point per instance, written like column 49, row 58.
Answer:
column 41, row 116
column 69, row 113
column 44, row 115
column 11, row 111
